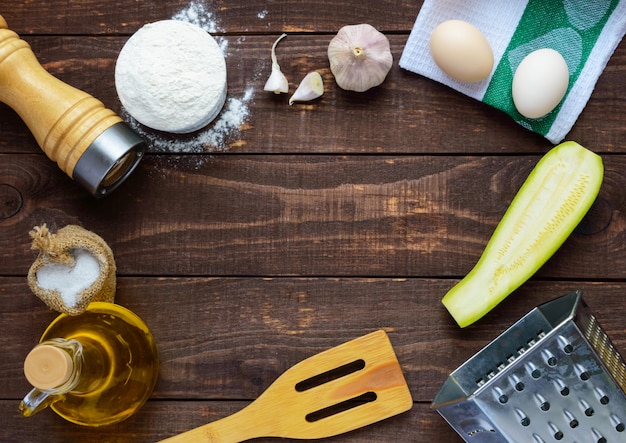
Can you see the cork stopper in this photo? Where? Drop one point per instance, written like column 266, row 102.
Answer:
column 47, row 367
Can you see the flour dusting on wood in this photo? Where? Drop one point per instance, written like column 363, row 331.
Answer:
column 197, row 14
column 214, row 138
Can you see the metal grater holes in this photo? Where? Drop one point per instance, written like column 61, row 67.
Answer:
column 586, row 407
column 542, row 403
column 476, row 432
column 566, row 346
column 523, row 418
column 559, row 435
column 537, row 438
column 501, row 395
column 617, row 423
column 602, row 397
column 608, row 354
column 517, row 383
column 556, row 432
column 599, row 438
column 551, row 388
column 549, row 358
column 562, row 387
column 581, row 371
column 501, row 365
column 571, row 420
column 533, row 370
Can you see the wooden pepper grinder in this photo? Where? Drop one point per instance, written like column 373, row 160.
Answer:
column 89, row 142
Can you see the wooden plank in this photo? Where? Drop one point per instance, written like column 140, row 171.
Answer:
column 223, row 341
column 161, row 419
column 407, row 114
column 300, row 228
column 251, row 16
column 230, row 338
column 302, row 215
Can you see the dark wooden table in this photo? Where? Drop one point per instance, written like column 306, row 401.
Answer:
column 301, row 228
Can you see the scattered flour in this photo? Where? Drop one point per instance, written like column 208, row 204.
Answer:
column 70, row 282
column 214, row 138
column 225, row 128
column 198, row 14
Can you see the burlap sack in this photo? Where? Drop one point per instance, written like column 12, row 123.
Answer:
column 59, row 248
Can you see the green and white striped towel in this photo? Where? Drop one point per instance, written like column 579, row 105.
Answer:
column 585, row 32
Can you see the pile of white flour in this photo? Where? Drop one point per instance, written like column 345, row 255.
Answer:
column 171, row 76
column 225, row 129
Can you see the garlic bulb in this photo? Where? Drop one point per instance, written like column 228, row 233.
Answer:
column 310, row 88
column 360, row 57
column 277, row 82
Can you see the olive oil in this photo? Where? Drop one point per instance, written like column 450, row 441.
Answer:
column 119, row 366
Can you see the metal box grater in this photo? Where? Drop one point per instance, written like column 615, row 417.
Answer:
column 552, row 376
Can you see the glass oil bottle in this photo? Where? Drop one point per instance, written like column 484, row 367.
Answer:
column 93, row 369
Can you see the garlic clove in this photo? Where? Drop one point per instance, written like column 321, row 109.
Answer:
column 360, row 57
column 277, row 82
column 310, row 88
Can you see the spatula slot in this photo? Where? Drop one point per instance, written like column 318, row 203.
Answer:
column 328, row 376
column 360, row 400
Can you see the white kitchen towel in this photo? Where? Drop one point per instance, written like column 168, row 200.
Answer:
column 585, row 32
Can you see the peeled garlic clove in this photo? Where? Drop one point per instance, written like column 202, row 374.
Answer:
column 360, row 57
column 310, row 88
column 277, row 82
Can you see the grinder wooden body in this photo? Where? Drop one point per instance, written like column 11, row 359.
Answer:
column 64, row 120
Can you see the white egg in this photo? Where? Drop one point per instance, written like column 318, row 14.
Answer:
column 461, row 51
column 540, row 83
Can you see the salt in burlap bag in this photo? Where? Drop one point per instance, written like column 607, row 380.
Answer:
column 59, row 249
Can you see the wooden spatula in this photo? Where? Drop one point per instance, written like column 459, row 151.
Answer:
column 344, row 388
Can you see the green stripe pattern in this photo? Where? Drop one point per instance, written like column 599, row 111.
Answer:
column 571, row 27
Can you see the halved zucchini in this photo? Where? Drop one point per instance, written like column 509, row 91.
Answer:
column 550, row 204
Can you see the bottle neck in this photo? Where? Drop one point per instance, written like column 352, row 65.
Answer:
column 54, row 366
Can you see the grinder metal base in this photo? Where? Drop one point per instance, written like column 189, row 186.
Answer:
column 109, row 160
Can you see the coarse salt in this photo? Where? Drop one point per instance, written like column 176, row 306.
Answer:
column 69, row 282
